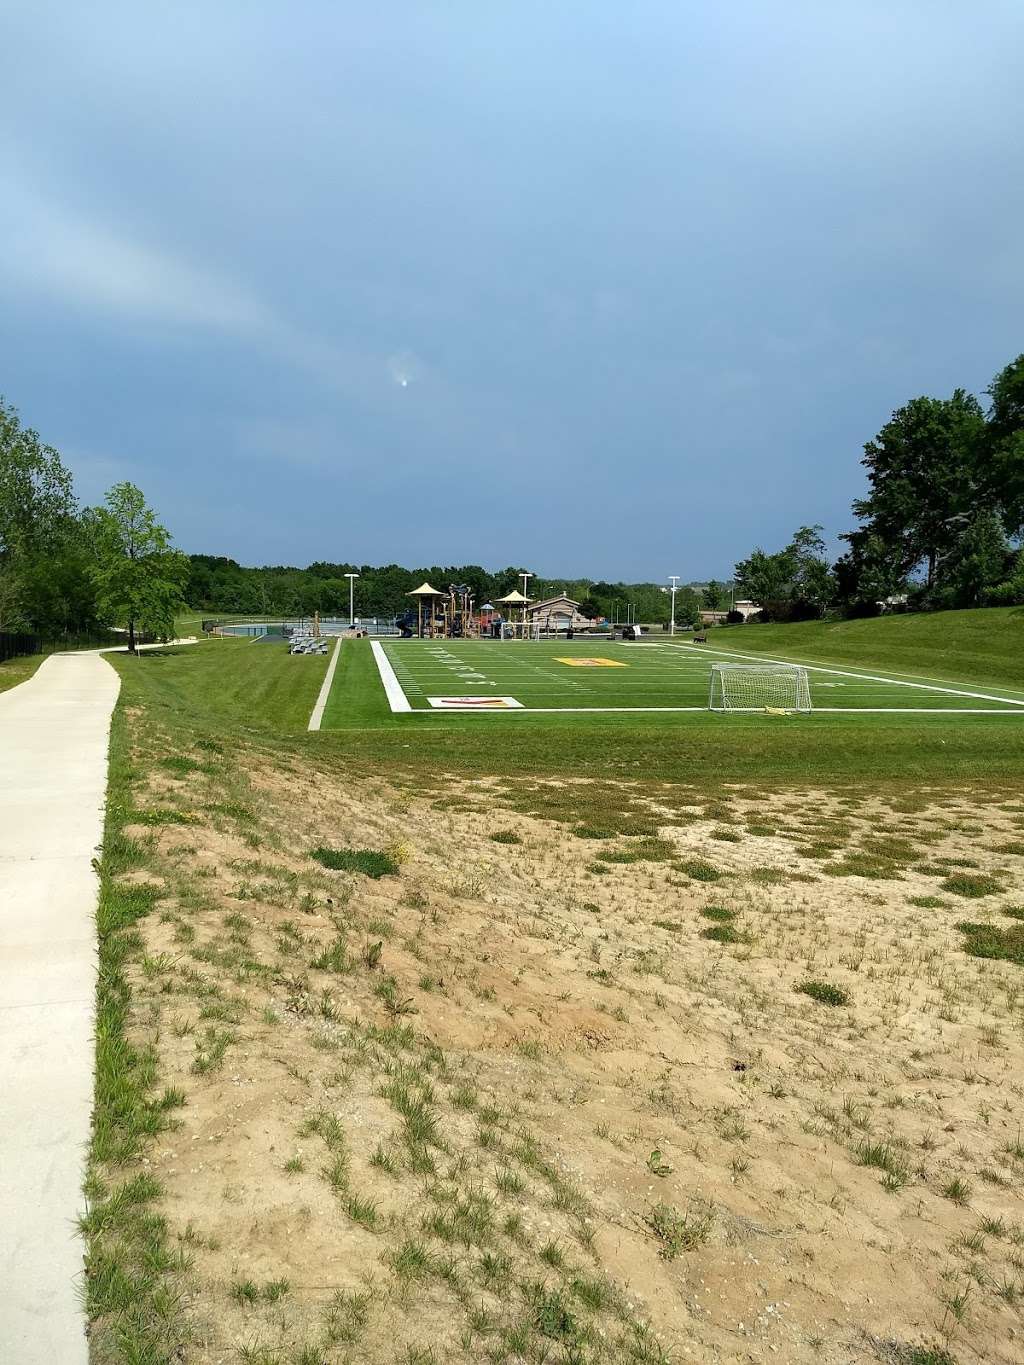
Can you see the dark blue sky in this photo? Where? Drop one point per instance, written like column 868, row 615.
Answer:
column 602, row 288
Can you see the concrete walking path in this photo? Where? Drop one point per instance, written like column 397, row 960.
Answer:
column 54, row 732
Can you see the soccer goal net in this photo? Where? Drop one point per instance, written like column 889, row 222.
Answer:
column 757, row 687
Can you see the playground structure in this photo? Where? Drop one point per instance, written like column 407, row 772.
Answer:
column 452, row 614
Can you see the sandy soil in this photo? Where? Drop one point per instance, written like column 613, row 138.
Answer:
column 666, row 1109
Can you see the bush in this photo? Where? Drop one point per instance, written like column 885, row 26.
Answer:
column 735, row 618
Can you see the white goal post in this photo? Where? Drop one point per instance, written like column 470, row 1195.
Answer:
column 759, row 687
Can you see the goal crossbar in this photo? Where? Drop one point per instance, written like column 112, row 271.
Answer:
column 759, row 687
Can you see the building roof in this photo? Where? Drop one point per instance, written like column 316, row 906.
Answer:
column 550, row 601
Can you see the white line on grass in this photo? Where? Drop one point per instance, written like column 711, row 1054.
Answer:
column 842, row 673
column 317, row 714
column 397, row 699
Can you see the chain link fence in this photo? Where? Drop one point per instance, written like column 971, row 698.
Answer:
column 12, row 645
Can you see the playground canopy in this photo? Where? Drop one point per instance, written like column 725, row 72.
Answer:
column 425, row 593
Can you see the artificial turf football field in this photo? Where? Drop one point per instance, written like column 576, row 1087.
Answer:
column 599, row 675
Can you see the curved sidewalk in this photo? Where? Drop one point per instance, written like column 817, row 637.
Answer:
column 54, row 733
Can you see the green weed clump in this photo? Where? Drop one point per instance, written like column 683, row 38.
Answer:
column 971, row 885
column 699, row 869
column 180, row 765
column 679, row 1232
column 370, row 862
column 649, row 849
column 724, row 933
column 993, row 941
column 824, row 993
column 718, row 913
column 506, row 836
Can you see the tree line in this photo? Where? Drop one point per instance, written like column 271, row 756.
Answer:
column 68, row 571
column 940, row 525
column 220, row 585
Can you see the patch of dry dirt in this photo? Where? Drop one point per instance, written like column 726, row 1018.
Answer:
column 628, row 1064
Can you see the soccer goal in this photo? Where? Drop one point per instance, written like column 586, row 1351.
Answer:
column 759, row 687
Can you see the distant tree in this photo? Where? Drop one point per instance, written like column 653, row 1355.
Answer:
column 795, row 583
column 140, row 579
column 687, row 606
column 590, row 609
column 867, row 574
column 714, row 596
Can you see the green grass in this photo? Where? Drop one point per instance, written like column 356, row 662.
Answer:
column 983, row 646
column 19, row 669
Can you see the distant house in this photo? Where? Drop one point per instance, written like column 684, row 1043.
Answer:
column 557, row 613
column 715, row 618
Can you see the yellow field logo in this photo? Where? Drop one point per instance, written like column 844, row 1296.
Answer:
column 592, row 663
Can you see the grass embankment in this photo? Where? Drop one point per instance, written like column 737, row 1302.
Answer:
column 983, row 646
column 19, row 669
column 444, row 1115
column 271, row 693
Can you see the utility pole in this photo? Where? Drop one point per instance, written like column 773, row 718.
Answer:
column 674, row 579
column 351, row 598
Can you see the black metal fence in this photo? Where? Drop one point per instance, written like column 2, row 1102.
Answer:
column 12, row 645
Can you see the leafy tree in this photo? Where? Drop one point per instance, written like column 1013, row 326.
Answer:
column 590, row 609
column 795, row 582
column 37, row 503
column 980, row 560
column 1005, row 428
column 140, row 579
column 925, row 474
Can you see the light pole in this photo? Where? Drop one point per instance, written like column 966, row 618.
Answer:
column 674, row 579
column 351, row 598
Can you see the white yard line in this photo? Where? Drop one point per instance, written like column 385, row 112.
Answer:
column 317, row 714
column 748, row 710
column 711, row 650
column 397, row 699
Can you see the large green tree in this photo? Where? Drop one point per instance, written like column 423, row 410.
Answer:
column 140, row 579
column 37, row 502
column 42, row 583
column 1005, row 429
column 926, row 471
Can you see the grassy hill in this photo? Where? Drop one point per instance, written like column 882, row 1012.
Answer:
column 984, row 645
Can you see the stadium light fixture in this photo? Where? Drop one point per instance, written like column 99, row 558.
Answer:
column 351, row 598
column 673, row 579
